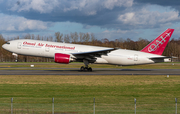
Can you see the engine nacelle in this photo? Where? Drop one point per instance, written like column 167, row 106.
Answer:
column 62, row 58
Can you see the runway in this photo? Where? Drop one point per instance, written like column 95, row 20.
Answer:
column 96, row 71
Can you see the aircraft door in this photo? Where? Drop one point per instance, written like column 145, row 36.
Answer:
column 135, row 57
column 47, row 52
column 47, row 49
column 19, row 45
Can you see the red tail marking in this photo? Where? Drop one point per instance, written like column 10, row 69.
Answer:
column 158, row 45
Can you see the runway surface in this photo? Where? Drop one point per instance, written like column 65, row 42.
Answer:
column 96, row 71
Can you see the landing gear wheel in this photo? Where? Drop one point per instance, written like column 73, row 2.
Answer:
column 82, row 68
column 86, row 69
column 90, row 69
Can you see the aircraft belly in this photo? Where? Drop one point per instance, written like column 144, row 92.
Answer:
column 123, row 60
column 118, row 60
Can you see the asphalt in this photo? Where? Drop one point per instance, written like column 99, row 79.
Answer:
column 96, row 71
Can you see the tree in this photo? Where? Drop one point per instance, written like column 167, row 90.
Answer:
column 38, row 37
column 76, row 37
column 66, row 38
column 72, row 37
column 59, row 37
column 50, row 38
column 2, row 41
column 87, row 38
column 141, row 43
column 93, row 38
column 81, row 36
column 28, row 36
column 32, row 36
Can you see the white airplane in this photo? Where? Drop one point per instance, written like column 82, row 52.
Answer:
column 66, row 53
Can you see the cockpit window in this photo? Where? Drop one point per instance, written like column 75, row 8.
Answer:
column 8, row 43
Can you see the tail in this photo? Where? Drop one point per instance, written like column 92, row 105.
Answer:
column 158, row 45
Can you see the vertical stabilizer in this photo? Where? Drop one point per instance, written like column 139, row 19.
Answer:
column 158, row 45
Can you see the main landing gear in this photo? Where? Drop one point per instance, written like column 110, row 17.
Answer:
column 86, row 68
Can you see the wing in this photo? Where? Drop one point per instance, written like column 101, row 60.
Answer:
column 91, row 55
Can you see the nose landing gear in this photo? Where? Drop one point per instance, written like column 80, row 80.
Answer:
column 16, row 56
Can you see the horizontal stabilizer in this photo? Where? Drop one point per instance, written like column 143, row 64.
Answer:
column 161, row 57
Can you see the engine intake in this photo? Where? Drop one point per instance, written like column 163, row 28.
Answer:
column 62, row 58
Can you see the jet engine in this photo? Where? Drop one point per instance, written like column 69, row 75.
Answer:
column 62, row 58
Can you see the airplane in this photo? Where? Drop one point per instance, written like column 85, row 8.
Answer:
column 67, row 52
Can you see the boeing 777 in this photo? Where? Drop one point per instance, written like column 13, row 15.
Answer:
column 66, row 52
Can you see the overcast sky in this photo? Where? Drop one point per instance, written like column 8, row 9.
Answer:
column 112, row 19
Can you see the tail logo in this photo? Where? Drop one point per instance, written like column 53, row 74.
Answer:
column 155, row 46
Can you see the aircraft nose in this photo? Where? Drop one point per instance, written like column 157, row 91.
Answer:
column 4, row 46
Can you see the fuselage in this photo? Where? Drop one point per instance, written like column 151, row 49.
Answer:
column 48, row 49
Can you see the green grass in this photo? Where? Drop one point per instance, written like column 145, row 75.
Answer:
column 113, row 94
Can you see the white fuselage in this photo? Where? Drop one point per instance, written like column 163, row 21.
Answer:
column 128, row 57
column 48, row 49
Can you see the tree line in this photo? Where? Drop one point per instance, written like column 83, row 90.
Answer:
column 172, row 49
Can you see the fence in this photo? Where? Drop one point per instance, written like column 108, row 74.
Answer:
column 22, row 106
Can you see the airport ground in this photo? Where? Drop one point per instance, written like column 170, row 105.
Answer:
column 73, row 94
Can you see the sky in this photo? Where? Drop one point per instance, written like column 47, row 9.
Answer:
column 111, row 19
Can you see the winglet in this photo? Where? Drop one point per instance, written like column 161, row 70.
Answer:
column 158, row 45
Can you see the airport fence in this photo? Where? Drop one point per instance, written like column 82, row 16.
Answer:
column 68, row 106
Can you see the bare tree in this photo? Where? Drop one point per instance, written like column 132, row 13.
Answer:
column 28, row 36
column 38, row 37
column 50, row 38
column 76, row 37
column 66, row 38
column 81, row 36
column 2, row 41
column 59, row 37
column 92, row 38
column 105, row 42
column 72, row 35
column 32, row 36
column 141, row 43
column 87, row 38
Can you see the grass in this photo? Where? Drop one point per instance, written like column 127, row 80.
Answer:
column 113, row 94
column 74, row 94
